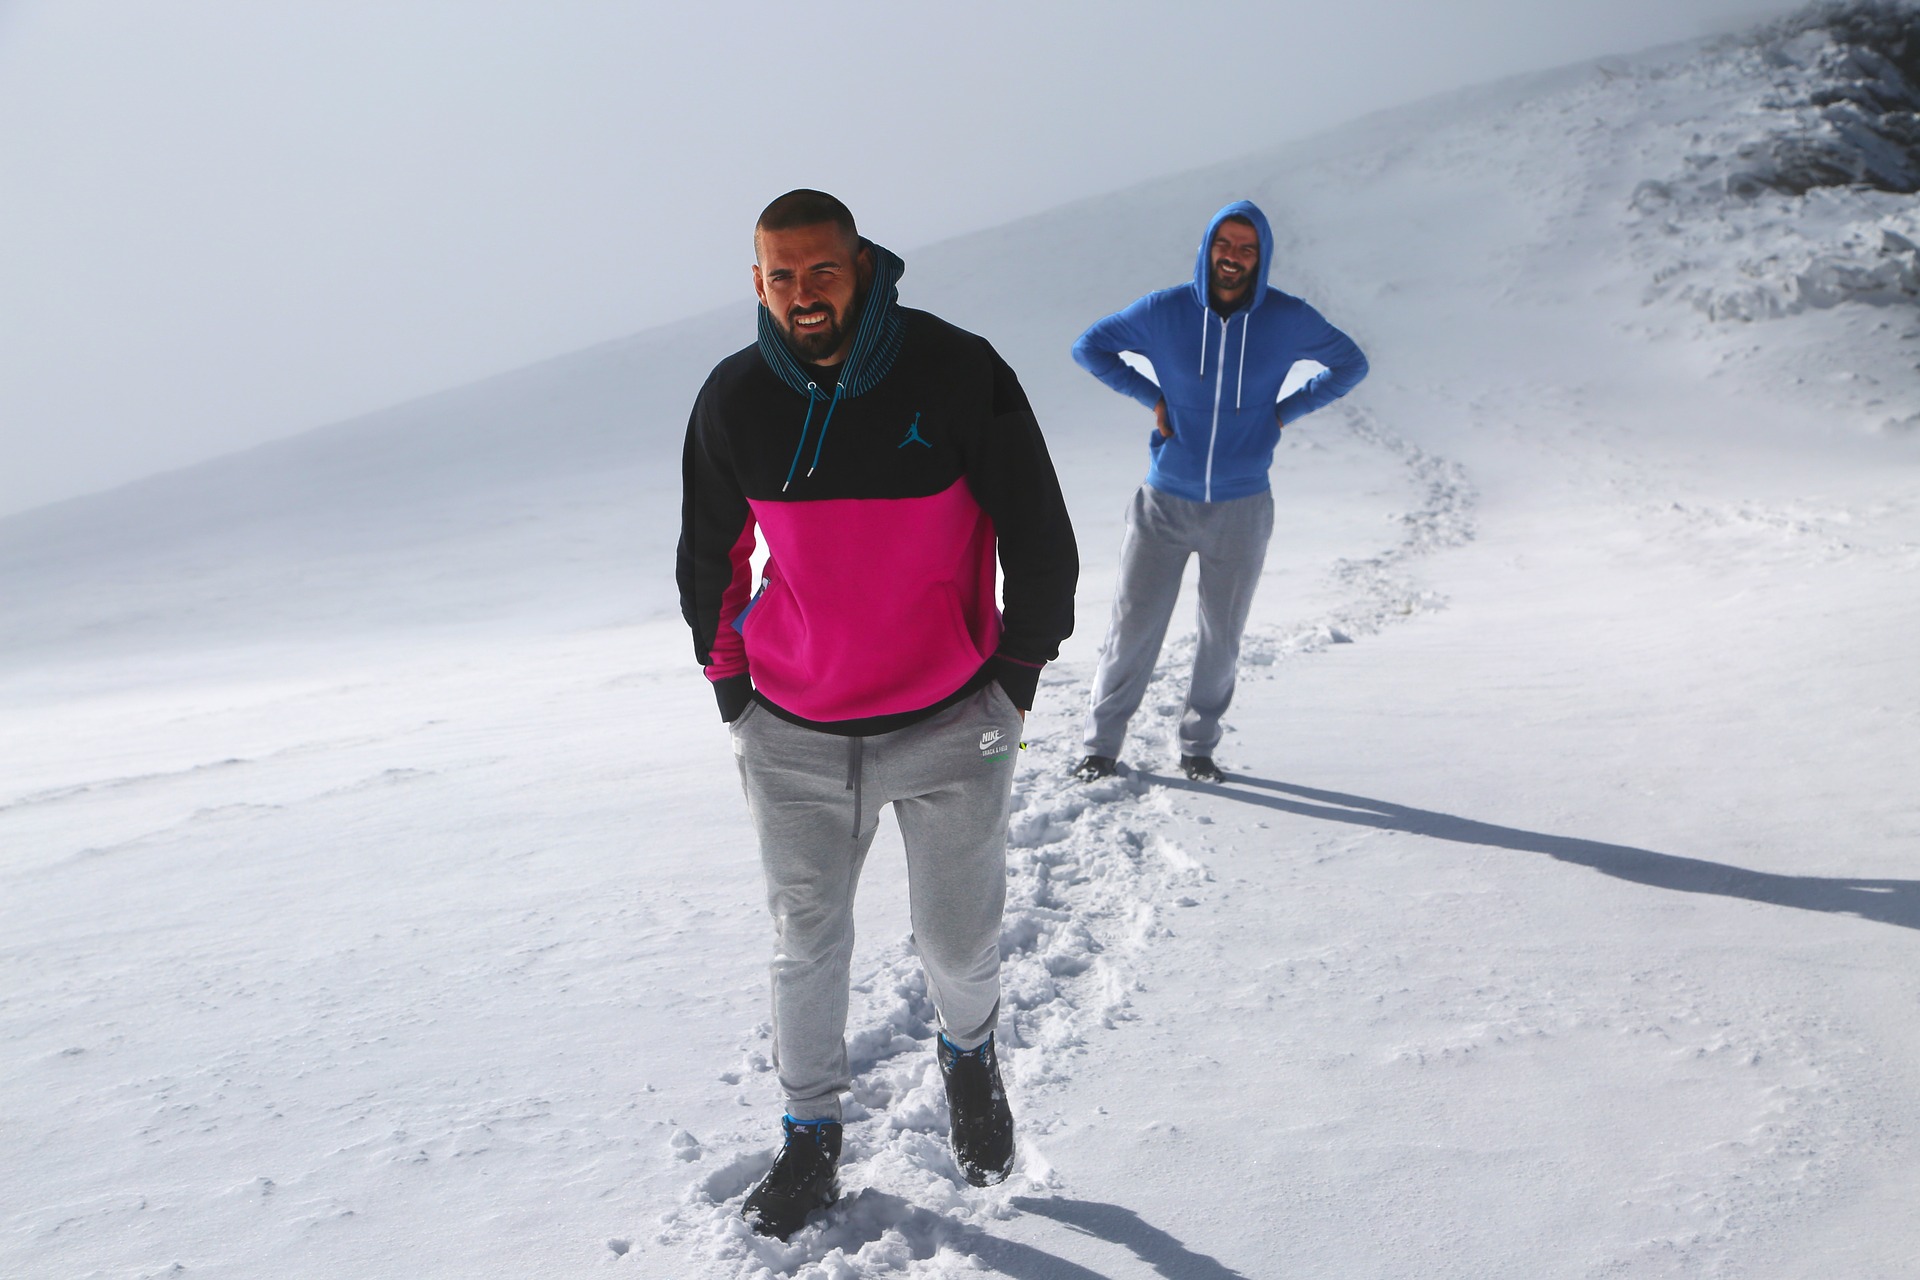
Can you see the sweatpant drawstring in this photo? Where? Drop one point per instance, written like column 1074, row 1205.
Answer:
column 856, row 752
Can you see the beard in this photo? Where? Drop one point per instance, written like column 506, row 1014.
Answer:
column 822, row 340
column 1224, row 286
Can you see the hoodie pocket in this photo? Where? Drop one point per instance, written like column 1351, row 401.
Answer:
column 958, row 633
column 740, row 619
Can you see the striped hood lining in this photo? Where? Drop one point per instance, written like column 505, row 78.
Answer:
column 876, row 340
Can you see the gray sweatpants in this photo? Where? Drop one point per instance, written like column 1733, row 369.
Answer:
column 815, row 802
column 1162, row 531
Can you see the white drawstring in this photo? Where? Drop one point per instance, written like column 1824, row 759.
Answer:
column 1241, row 377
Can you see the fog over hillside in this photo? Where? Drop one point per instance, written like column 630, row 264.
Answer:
column 229, row 222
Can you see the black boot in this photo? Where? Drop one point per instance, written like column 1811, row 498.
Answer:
column 982, row 1121
column 1095, row 767
column 1201, row 769
column 802, row 1179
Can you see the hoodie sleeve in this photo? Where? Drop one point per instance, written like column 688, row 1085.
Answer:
column 713, row 565
column 1098, row 351
column 1346, row 366
column 1012, row 478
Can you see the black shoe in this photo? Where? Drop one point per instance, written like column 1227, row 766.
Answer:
column 1095, row 767
column 982, row 1121
column 1201, row 769
column 802, row 1179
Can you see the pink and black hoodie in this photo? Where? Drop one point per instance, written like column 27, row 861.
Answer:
column 884, row 499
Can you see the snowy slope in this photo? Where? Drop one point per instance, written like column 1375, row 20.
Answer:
column 523, row 495
column 378, row 899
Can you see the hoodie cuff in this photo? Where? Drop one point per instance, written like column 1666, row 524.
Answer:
column 1020, row 679
column 733, row 694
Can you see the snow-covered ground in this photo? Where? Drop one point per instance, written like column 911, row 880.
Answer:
column 378, row 899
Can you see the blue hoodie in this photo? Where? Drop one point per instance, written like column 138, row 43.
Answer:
column 1221, row 376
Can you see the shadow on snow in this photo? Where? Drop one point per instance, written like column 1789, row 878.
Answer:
column 1895, row 902
column 871, row 1214
column 1111, row 1223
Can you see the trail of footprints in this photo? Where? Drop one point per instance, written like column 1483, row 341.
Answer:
column 1091, row 880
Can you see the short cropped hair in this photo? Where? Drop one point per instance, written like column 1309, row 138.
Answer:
column 805, row 207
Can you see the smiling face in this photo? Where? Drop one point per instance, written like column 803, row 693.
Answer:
column 1235, row 260
column 810, row 279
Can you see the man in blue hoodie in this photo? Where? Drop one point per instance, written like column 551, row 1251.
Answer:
column 1221, row 346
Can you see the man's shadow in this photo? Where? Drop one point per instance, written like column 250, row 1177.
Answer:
column 1895, row 902
column 1123, row 1227
column 870, row 1213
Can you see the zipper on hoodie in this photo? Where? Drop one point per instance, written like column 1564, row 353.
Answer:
column 1219, row 382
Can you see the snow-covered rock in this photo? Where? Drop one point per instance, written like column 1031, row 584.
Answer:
column 1796, row 188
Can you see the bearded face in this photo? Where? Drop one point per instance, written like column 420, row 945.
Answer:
column 1233, row 260
column 811, row 280
column 817, row 332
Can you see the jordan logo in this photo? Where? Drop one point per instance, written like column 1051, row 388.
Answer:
column 913, row 435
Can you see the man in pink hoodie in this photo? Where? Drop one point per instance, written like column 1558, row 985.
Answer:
column 891, row 462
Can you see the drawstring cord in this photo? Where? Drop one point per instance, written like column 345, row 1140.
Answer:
column 813, row 397
column 1240, row 378
column 838, row 388
column 856, row 751
column 795, row 464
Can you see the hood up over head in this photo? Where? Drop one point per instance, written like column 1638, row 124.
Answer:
column 1202, row 266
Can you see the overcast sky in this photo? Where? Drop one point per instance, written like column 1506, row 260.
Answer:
column 227, row 220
